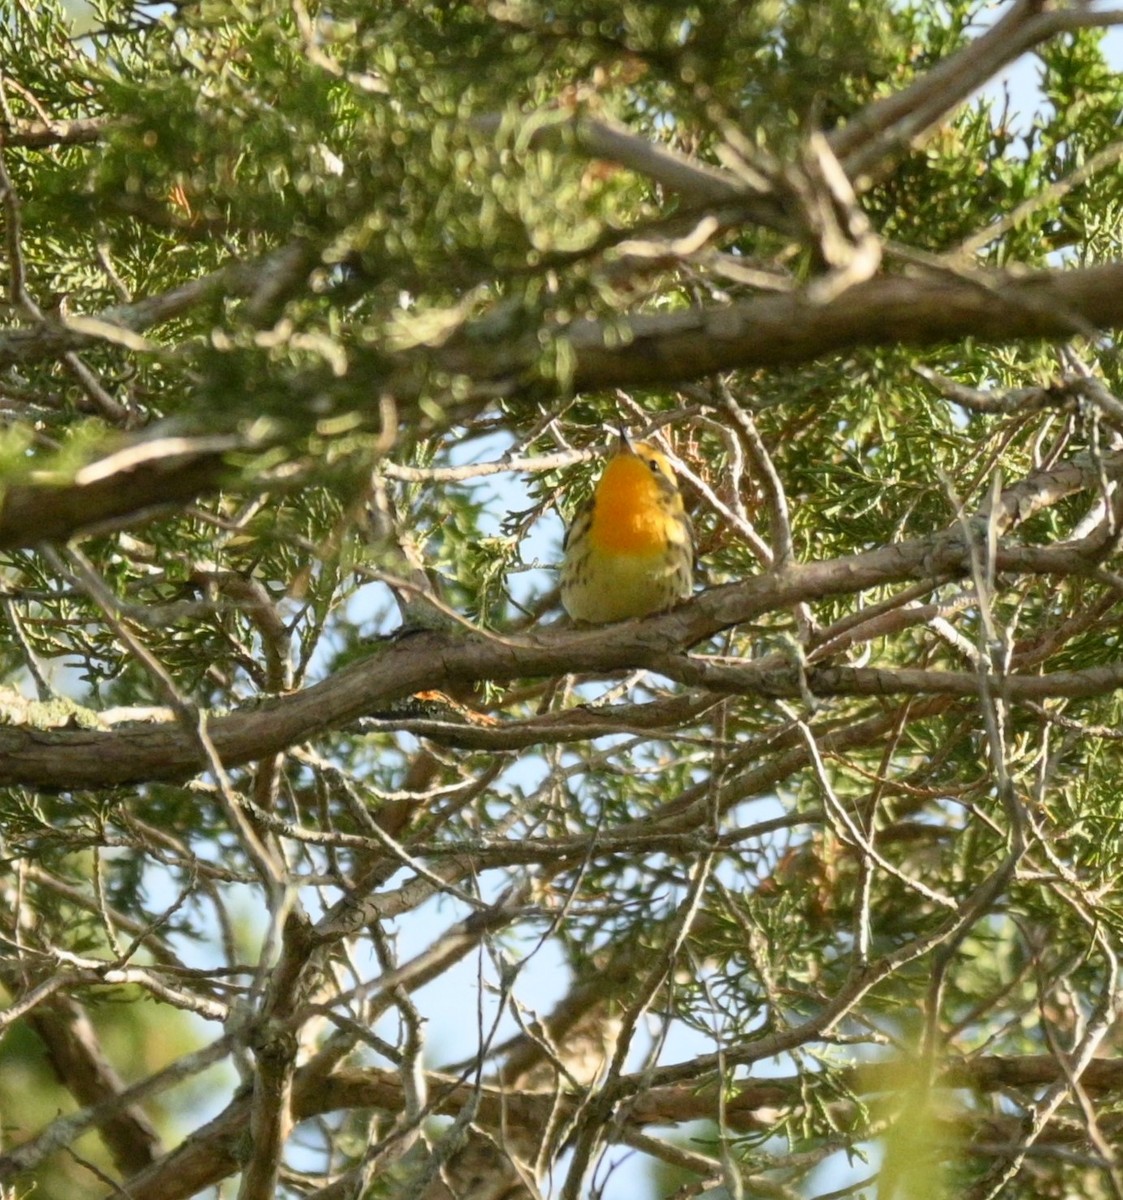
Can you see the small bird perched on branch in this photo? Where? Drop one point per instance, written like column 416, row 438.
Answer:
column 630, row 549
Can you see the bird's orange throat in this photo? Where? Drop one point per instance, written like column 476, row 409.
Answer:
column 629, row 515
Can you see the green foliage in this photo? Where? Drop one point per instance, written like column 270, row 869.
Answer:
column 355, row 241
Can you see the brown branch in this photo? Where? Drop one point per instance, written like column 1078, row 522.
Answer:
column 269, row 1121
column 757, row 767
column 64, row 758
column 696, row 182
column 567, row 725
column 65, row 1129
column 784, row 329
column 53, row 758
column 211, row 1153
column 899, row 119
column 218, row 1149
column 275, row 1045
column 891, row 681
column 882, row 128
column 677, row 1103
column 260, row 280
column 655, row 349
column 140, row 481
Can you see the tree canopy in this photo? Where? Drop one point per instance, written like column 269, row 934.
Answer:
column 339, row 864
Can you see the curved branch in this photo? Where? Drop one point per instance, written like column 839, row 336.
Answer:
column 64, row 758
column 658, row 349
column 211, row 1153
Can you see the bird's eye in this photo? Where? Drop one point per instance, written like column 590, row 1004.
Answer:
column 653, row 463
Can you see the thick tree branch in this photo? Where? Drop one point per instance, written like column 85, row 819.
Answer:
column 142, row 480
column 53, row 758
column 211, row 1154
column 37, row 135
column 675, row 347
column 648, row 350
column 996, row 306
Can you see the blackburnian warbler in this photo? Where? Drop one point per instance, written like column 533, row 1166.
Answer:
column 630, row 550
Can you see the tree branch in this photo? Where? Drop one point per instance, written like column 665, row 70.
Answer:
column 211, row 1153
column 37, row 135
column 139, row 481
column 654, row 350
column 258, row 280
column 784, row 329
column 897, row 120
column 54, row 758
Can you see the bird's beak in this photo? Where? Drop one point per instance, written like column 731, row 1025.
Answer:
column 624, row 446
